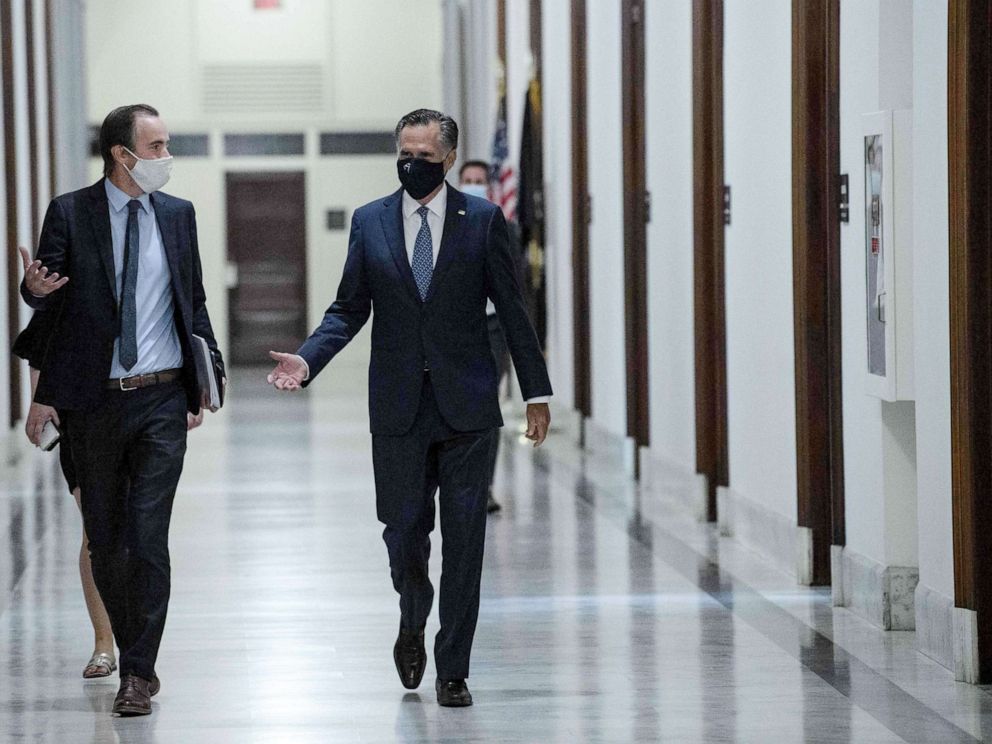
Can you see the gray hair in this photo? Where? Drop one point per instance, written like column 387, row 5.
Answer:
column 422, row 118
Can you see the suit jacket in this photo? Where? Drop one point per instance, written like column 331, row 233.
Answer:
column 447, row 331
column 76, row 242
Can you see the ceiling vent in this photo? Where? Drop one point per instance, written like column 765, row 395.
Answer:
column 263, row 88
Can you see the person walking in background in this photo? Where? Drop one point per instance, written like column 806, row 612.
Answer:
column 118, row 264
column 474, row 180
column 30, row 346
column 426, row 258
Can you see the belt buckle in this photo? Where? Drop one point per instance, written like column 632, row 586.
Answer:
column 128, row 389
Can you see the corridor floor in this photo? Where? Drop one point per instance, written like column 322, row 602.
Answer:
column 606, row 615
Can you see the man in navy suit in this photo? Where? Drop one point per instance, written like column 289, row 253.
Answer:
column 118, row 270
column 427, row 258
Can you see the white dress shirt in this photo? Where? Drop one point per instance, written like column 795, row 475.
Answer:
column 437, row 208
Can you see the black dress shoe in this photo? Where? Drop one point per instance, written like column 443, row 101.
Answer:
column 453, row 693
column 410, row 657
column 134, row 696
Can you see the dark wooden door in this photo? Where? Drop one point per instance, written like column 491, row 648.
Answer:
column 635, row 222
column 969, row 94
column 581, row 215
column 712, row 452
column 816, row 268
column 266, row 243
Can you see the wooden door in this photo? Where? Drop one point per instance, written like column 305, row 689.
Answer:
column 712, row 454
column 969, row 130
column 266, row 245
column 581, row 215
column 816, row 269
column 635, row 222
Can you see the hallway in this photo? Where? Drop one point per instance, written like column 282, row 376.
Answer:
column 606, row 617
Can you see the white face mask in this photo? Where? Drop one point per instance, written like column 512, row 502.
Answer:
column 476, row 189
column 150, row 175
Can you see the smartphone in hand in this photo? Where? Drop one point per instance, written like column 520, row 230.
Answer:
column 50, row 436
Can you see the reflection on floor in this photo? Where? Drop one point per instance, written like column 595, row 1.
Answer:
column 606, row 617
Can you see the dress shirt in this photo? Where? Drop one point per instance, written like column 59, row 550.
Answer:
column 437, row 208
column 158, row 340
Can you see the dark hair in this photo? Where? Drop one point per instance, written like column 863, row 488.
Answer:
column 118, row 129
column 423, row 117
column 474, row 164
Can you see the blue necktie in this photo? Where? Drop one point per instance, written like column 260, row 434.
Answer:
column 129, row 314
column 423, row 255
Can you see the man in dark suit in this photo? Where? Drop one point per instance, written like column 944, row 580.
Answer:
column 426, row 258
column 119, row 267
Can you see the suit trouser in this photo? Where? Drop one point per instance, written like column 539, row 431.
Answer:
column 128, row 456
column 409, row 469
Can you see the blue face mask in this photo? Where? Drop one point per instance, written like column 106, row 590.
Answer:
column 476, row 189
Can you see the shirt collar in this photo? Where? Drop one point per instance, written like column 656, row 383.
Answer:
column 118, row 199
column 438, row 205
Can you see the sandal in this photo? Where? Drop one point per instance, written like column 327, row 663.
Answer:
column 101, row 665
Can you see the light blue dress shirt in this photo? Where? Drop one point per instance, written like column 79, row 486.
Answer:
column 158, row 340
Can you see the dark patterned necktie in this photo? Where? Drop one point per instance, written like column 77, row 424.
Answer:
column 423, row 255
column 129, row 313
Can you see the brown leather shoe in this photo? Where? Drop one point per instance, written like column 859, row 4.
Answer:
column 154, row 686
column 134, row 697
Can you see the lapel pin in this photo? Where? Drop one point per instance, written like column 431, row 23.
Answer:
column 461, row 212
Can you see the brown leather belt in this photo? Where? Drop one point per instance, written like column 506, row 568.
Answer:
column 143, row 381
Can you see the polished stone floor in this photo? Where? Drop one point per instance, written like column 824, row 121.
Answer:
column 606, row 615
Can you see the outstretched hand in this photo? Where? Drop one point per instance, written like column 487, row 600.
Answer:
column 36, row 277
column 538, row 422
column 290, row 372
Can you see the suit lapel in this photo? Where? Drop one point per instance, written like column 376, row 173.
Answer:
column 166, row 228
column 100, row 223
column 454, row 226
column 391, row 217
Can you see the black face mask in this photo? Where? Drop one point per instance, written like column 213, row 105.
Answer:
column 419, row 177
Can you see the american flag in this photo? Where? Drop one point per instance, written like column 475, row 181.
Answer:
column 502, row 176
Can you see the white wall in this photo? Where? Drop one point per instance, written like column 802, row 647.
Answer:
column 760, row 333
column 931, row 292
column 519, row 70
column 4, row 335
column 668, row 83
column 605, row 140
column 879, row 438
column 369, row 81
column 24, row 162
column 557, row 95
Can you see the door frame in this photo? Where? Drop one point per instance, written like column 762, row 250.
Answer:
column 708, row 249
column 635, row 218
column 969, row 130
column 816, row 277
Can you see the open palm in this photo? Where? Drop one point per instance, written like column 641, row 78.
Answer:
column 290, row 371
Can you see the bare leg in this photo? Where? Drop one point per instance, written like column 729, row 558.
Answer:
column 103, row 636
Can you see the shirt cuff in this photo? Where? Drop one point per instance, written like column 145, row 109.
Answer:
column 538, row 399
